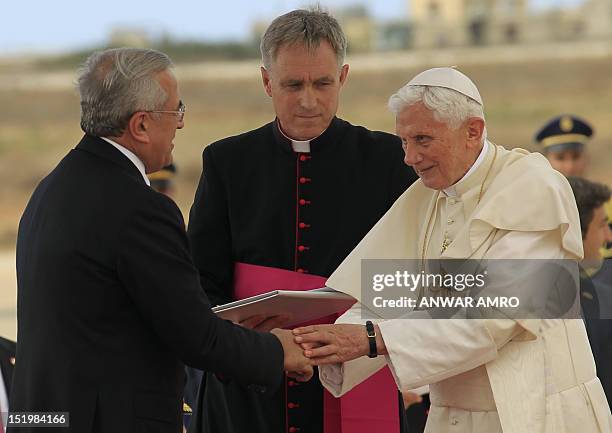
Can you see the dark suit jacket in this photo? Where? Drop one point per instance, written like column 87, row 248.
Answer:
column 110, row 305
column 7, row 362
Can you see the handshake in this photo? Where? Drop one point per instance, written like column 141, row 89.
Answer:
column 295, row 363
column 312, row 345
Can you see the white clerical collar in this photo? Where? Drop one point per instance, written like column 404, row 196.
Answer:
column 451, row 191
column 301, row 146
column 132, row 157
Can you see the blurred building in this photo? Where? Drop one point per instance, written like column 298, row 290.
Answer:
column 462, row 23
column 359, row 28
column 395, row 35
column 446, row 23
column 597, row 19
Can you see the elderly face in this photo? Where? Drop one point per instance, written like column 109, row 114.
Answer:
column 438, row 154
column 304, row 86
column 162, row 126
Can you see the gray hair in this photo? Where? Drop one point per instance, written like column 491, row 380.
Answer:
column 308, row 27
column 116, row 83
column 448, row 105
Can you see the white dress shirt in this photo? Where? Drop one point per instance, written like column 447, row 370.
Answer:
column 132, row 157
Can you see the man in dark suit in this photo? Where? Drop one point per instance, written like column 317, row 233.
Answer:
column 109, row 302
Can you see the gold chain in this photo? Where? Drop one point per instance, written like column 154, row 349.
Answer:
column 487, row 175
column 435, row 209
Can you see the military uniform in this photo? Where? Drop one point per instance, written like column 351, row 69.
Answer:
column 564, row 132
column 163, row 180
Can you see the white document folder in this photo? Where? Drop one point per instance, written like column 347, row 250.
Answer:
column 303, row 306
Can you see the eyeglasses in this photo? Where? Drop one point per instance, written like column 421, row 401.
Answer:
column 180, row 113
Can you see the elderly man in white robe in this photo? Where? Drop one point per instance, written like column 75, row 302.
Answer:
column 474, row 200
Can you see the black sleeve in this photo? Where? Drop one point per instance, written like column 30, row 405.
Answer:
column 155, row 266
column 209, row 234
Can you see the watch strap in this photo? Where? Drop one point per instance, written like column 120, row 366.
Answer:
column 371, row 333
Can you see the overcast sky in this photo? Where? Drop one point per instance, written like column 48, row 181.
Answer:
column 61, row 25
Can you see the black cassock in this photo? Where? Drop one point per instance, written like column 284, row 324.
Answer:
column 261, row 203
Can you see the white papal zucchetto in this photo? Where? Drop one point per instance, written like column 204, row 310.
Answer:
column 449, row 78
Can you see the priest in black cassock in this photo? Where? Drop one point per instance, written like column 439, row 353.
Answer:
column 296, row 194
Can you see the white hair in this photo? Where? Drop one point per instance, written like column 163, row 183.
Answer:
column 448, row 106
column 116, row 83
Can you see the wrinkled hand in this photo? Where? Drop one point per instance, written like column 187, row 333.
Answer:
column 265, row 323
column 296, row 364
column 333, row 344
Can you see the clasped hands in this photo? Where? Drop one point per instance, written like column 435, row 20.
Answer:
column 295, row 363
column 312, row 345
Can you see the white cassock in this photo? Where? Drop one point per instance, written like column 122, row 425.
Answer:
column 485, row 375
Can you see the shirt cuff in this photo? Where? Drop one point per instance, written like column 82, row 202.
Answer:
column 332, row 378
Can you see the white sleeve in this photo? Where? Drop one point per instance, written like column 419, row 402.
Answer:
column 423, row 351
column 341, row 378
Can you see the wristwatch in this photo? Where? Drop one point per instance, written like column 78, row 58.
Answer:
column 371, row 339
